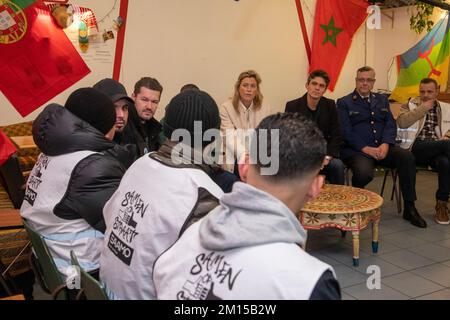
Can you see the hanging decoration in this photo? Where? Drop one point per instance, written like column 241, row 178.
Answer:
column 66, row 14
column 118, row 23
column 63, row 15
column 83, row 39
column 108, row 35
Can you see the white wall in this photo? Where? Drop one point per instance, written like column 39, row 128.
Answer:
column 210, row 42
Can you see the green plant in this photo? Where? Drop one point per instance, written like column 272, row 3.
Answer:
column 421, row 17
column 421, row 11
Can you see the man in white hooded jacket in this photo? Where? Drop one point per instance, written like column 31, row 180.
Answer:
column 249, row 247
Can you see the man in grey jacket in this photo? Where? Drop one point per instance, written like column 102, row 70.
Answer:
column 426, row 122
column 249, row 247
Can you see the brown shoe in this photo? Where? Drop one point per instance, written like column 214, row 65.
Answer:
column 441, row 215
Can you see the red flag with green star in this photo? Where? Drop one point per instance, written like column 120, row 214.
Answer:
column 335, row 24
column 37, row 60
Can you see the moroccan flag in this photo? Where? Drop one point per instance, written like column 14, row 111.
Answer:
column 37, row 60
column 427, row 59
column 335, row 23
column 7, row 148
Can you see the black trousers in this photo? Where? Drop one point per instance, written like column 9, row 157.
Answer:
column 437, row 155
column 403, row 160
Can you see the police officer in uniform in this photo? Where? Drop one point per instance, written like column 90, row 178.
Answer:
column 369, row 132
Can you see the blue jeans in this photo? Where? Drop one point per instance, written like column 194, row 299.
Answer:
column 334, row 171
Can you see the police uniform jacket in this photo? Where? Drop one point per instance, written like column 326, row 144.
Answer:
column 365, row 123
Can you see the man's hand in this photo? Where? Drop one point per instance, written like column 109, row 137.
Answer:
column 373, row 152
column 383, row 151
column 428, row 104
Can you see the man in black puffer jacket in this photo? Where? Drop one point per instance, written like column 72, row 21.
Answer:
column 79, row 169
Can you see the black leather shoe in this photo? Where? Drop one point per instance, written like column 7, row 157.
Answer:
column 410, row 213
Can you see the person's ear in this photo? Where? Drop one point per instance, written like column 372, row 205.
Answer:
column 133, row 96
column 315, row 188
column 243, row 166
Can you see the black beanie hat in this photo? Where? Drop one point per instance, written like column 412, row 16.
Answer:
column 113, row 89
column 187, row 107
column 93, row 107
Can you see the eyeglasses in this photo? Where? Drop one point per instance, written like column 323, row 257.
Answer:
column 362, row 80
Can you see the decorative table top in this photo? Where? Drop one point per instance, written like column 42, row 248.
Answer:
column 338, row 199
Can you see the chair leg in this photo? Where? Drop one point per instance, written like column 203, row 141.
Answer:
column 347, row 176
column 396, row 192
column 57, row 291
column 34, row 264
column 3, row 281
column 384, row 183
column 394, row 185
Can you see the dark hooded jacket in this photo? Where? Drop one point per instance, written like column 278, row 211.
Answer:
column 145, row 136
column 94, row 179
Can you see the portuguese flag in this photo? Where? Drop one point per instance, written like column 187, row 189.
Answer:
column 335, row 23
column 427, row 59
column 37, row 60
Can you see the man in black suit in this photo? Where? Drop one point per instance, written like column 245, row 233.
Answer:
column 313, row 105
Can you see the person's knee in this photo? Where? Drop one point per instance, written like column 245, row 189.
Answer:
column 446, row 147
column 406, row 158
column 362, row 176
column 336, row 165
column 442, row 162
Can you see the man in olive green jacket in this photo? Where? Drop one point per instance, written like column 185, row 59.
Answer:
column 424, row 128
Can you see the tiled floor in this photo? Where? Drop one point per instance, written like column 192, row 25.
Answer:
column 414, row 263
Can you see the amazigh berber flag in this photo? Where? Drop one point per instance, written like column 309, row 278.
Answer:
column 427, row 59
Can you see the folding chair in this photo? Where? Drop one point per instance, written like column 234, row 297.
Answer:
column 91, row 288
column 12, row 180
column 44, row 267
column 396, row 191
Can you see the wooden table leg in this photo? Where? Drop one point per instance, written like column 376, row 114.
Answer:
column 355, row 248
column 375, row 235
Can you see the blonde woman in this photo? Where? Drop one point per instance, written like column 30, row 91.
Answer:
column 244, row 111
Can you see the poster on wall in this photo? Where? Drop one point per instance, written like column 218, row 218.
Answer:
column 37, row 59
column 81, row 27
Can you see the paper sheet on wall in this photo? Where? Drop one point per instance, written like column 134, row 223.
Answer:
column 99, row 51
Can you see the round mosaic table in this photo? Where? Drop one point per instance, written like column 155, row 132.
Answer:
column 345, row 208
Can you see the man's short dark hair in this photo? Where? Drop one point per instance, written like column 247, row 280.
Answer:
column 302, row 147
column 321, row 74
column 365, row 69
column 149, row 83
column 429, row 80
